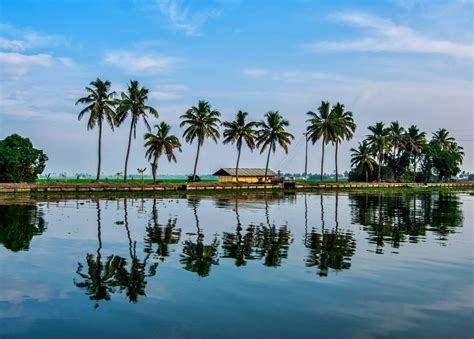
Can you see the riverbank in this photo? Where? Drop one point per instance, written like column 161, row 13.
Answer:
column 64, row 187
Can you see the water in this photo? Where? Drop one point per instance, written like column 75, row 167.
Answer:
column 282, row 266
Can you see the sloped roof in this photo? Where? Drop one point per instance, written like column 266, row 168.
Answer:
column 245, row 172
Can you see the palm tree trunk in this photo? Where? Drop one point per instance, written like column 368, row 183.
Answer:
column 237, row 164
column 414, row 168
column 100, row 150
column 155, row 165
column 268, row 160
column 196, row 162
column 380, row 166
column 337, row 176
column 366, row 175
column 322, row 159
column 128, row 151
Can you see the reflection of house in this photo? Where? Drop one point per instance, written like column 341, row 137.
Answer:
column 250, row 175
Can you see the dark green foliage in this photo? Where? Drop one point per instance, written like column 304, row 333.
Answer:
column 19, row 160
column 441, row 162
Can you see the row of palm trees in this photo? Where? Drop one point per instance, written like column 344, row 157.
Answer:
column 392, row 142
column 331, row 124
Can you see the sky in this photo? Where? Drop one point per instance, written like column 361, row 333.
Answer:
column 405, row 60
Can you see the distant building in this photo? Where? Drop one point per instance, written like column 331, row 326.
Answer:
column 248, row 175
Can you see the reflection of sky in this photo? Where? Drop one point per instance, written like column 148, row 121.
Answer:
column 424, row 288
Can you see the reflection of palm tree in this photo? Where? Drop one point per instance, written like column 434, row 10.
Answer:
column 99, row 281
column 161, row 235
column 197, row 256
column 18, row 225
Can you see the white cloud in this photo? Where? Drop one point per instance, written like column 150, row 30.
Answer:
column 139, row 63
column 183, row 18
column 16, row 64
column 292, row 75
column 255, row 72
column 19, row 40
column 387, row 36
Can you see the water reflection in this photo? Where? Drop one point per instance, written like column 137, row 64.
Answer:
column 19, row 224
column 394, row 219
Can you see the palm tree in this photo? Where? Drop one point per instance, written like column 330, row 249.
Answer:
column 442, row 137
column 272, row 132
column 321, row 126
column 344, row 127
column 396, row 137
column 362, row 160
column 202, row 122
column 100, row 104
column 133, row 102
column 379, row 140
column 415, row 142
column 238, row 130
column 161, row 143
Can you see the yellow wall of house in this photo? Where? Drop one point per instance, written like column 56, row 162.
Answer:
column 241, row 179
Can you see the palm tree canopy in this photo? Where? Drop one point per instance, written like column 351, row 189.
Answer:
column 202, row 122
column 442, row 137
column 272, row 132
column 361, row 158
column 379, row 137
column 415, row 140
column 161, row 143
column 134, row 102
column 396, row 132
column 320, row 124
column 100, row 103
column 239, row 129
column 343, row 123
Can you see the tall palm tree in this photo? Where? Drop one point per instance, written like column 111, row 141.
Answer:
column 161, row 143
column 362, row 160
column 272, row 132
column 237, row 131
column 202, row 122
column 442, row 137
column 396, row 137
column 379, row 140
column 134, row 102
column 415, row 142
column 321, row 126
column 100, row 104
column 344, row 127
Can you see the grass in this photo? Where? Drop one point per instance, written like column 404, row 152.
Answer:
column 110, row 181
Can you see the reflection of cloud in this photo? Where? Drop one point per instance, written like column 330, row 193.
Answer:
column 17, row 290
column 389, row 37
column 139, row 63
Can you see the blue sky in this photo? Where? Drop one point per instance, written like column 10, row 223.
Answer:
column 406, row 60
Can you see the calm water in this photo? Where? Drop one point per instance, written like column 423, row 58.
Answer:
column 282, row 266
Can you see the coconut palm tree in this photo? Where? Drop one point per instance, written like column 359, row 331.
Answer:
column 415, row 142
column 161, row 143
column 344, row 127
column 202, row 122
column 272, row 132
column 362, row 160
column 396, row 137
column 134, row 102
column 321, row 126
column 100, row 105
column 379, row 140
column 442, row 137
column 237, row 131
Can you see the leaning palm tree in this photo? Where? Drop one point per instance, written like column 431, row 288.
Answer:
column 202, row 122
column 415, row 142
column 272, row 132
column 362, row 160
column 442, row 137
column 379, row 140
column 237, row 131
column 161, row 143
column 100, row 104
column 321, row 126
column 344, row 127
column 134, row 102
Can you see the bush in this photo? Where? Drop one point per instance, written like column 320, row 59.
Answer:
column 19, row 160
column 194, row 178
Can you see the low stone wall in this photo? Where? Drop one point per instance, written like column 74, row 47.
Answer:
column 122, row 187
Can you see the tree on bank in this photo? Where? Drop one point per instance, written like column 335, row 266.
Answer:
column 134, row 102
column 19, row 160
column 379, row 140
column 344, row 128
column 272, row 132
column 362, row 160
column 236, row 132
column 201, row 122
column 100, row 105
column 161, row 143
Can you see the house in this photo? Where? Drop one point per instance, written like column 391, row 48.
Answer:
column 247, row 175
